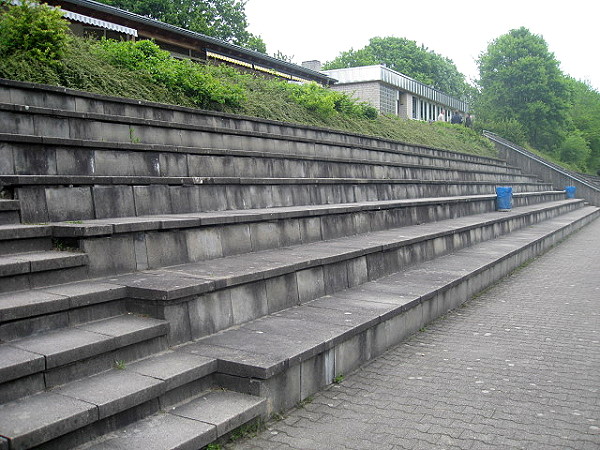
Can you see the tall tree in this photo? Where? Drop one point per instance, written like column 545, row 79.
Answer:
column 405, row 56
column 520, row 80
column 585, row 117
column 223, row 19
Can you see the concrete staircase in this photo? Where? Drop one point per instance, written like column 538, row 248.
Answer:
column 168, row 275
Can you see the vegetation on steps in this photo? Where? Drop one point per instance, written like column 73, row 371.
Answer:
column 42, row 51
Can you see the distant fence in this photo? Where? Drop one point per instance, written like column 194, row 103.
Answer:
column 531, row 163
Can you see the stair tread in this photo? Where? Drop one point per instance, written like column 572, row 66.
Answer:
column 204, row 276
column 175, row 368
column 17, row 305
column 265, row 346
column 29, row 262
column 192, row 425
column 24, row 231
column 107, row 393
column 64, row 346
column 31, row 421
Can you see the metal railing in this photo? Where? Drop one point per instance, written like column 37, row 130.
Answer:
column 572, row 175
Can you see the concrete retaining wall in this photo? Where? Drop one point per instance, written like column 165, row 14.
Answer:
column 548, row 172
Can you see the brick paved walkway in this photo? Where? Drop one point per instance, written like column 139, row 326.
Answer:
column 516, row 367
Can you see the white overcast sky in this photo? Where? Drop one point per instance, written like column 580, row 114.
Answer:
column 459, row 30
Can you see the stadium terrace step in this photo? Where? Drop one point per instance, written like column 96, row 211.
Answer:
column 208, row 296
column 192, row 425
column 51, row 203
column 34, row 269
column 291, row 354
column 51, row 358
column 223, row 268
column 152, row 387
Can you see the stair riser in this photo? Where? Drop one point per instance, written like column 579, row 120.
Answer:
column 287, row 388
column 198, row 316
column 42, row 204
column 35, row 159
column 41, row 279
column 8, row 217
column 26, row 326
column 155, row 249
column 24, row 245
column 73, row 105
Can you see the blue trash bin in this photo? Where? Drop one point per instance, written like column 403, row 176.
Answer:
column 504, row 200
column 570, row 191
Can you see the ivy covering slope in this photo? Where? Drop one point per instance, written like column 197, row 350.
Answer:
column 141, row 70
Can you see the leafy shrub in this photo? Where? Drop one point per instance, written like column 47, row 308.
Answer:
column 575, row 150
column 207, row 86
column 32, row 30
column 327, row 103
column 509, row 129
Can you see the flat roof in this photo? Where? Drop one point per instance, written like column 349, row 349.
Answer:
column 381, row 73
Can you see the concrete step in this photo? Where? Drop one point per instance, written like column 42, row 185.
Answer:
column 74, row 303
column 283, row 357
column 20, row 271
column 9, row 211
column 291, row 354
column 69, row 202
column 23, row 238
column 56, row 357
column 209, row 296
column 97, row 118
column 100, row 404
column 164, row 240
column 23, row 313
column 79, row 157
column 192, row 425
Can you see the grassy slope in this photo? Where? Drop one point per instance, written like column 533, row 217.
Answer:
column 83, row 69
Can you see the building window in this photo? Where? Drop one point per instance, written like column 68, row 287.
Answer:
column 387, row 100
column 415, row 108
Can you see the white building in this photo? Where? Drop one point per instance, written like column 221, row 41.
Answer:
column 394, row 93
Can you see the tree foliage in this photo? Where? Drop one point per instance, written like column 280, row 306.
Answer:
column 32, row 30
column 585, row 117
column 405, row 56
column 223, row 19
column 521, row 80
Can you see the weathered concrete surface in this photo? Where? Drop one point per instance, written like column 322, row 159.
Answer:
column 516, row 367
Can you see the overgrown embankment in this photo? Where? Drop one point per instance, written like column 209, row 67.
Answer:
column 35, row 47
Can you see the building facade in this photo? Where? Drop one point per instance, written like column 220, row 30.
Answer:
column 88, row 17
column 394, row 93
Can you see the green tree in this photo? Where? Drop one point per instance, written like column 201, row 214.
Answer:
column 32, row 30
column 223, row 19
column 585, row 117
column 575, row 150
column 405, row 56
column 520, row 80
